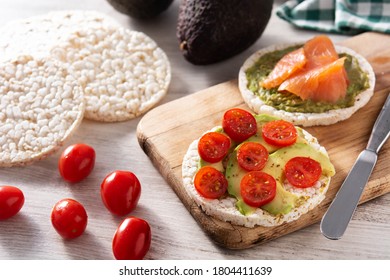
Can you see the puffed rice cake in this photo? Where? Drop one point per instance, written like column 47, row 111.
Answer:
column 41, row 105
column 225, row 209
column 37, row 35
column 124, row 72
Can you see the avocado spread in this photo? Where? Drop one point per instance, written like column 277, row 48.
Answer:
column 358, row 82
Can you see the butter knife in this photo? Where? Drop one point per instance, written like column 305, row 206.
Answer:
column 337, row 217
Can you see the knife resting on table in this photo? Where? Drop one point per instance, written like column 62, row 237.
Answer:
column 337, row 217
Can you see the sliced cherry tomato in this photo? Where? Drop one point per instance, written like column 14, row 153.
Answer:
column 120, row 192
column 69, row 218
column 239, row 124
column 302, row 172
column 132, row 239
column 213, row 146
column 252, row 156
column 76, row 162
column 257, row 188
column 279, row 133
column 11, row 201
column 210, row 183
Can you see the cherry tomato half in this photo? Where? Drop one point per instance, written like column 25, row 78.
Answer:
column 11, row 201
column 210, row 183
column 302, row 172
column 279, row 133
column 76, row 162
column 239, row 124
column 132, row 239
column 213, row 146
column 252, row 156
column 69, row 218
column 257, row 188
column 120, row 192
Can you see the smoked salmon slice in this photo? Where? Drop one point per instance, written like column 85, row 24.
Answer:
column 313, row 72
column 288, row 65
column 319, row 51
column 324, row 83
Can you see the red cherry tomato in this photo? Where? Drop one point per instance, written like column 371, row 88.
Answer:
column 279, row 133
column 76, row 162
column 210, row 183
column 302, row 172
column 120, row 192
column 213, row 146
column 239, row 124
column 257, row 188
column 132, row 239
column 252, row 156
column 69, row 218
column 11, row 201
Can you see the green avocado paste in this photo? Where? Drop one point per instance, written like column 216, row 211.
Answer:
column 358, row 82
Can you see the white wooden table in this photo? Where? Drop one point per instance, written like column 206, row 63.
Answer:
column 175, row 234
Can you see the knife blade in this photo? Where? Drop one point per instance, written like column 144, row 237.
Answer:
column 340, row 212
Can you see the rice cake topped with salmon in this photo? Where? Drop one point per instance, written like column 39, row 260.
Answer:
column 315, row 83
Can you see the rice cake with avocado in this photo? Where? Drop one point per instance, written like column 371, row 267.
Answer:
column 291, row 107
column 290, row 202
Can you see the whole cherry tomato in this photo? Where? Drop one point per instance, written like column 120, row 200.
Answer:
column 120, row 192
column 132, row 239
column 11, row 201
column 69, row 218
column 76, row 162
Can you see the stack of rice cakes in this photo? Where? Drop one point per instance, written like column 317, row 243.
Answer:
column 58, row 68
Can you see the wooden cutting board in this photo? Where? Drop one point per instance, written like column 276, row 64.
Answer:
column 166, row 132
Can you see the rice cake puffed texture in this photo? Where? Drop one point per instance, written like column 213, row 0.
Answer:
column 37, row 35
column 305, row 119
column 124, row 73
column 224, row 209
column 41, row 105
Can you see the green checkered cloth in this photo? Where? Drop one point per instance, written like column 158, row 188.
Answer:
column 338, row 16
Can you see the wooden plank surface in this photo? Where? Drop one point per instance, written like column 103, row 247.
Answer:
column 166, row 132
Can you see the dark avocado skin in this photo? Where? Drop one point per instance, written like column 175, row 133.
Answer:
column 141, row 9
column 210, row 31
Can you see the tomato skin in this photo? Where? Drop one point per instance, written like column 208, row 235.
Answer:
column 210, row 183
column 132, row 239
column 213, row 146
column 252, row 156
column 279, row 133
column 69, row 218
column 257, row 188
column 120, row 192
column 302, row 172
column 76, row 162
column 11, row 201
column 239, row 124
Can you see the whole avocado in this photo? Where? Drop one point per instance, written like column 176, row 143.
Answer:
column 210, row 31
column 141, row 9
